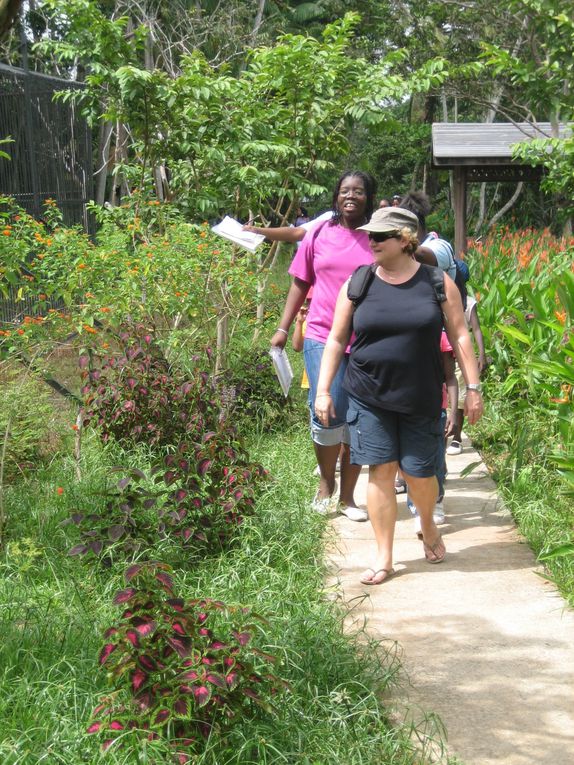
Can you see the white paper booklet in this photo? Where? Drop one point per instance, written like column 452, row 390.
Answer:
column 232, row 229
column 282, row 368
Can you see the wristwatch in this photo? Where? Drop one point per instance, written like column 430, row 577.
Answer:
column 474, row 386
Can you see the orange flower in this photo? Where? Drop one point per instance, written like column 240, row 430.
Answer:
column 42, row 296
column 75, row 427
column 81, row 265
column 202, row 234
column 105, row 309
column 21, row 332
column 90, row 329
column 89, row 295
column 561, row 316
column 4, row 333
column 6, row 232
column 59, row 490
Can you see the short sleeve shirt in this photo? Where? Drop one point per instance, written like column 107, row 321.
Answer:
column 326, row 260
column 443, row 253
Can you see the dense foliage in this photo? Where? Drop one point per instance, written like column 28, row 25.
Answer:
column 524, row 282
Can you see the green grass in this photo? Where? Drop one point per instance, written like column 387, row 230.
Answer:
column 54, row 609
column 528, row 483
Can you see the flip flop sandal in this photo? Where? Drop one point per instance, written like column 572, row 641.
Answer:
column 437, row 549
column 388, row 572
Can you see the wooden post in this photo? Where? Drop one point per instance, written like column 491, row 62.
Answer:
column 459, row 184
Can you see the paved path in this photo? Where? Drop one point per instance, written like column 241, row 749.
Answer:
column 485, row 642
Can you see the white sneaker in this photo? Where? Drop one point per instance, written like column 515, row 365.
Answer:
column 438, row 514
column 317, row 471
column 455, row 447
column 324, row 505
column 354, row 513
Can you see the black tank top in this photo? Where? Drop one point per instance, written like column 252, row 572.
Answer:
column 395, row 360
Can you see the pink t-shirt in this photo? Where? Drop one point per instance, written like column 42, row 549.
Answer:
column 326, row 263
column 445, row 347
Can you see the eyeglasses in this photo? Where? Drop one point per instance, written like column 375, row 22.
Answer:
column 382, row 236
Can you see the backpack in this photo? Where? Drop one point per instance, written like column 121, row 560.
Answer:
column 461, row 273
column 362, row 277
column 460, row 279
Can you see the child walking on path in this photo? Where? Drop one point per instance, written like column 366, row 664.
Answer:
column 473, row 324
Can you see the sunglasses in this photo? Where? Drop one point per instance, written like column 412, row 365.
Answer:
column 382, row 236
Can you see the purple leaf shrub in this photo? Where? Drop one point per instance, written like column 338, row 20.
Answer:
column 195, row 498
column 180, row 670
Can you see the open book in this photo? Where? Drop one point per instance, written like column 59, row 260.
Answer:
column 232, row 229
column 282, row 368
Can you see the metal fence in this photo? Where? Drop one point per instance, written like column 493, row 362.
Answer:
column 50, row 156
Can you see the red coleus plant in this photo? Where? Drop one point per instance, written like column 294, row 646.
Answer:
column 136, row 396
column 180, row 670
column 198, row 499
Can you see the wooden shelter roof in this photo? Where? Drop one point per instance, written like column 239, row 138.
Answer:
column 476, row 144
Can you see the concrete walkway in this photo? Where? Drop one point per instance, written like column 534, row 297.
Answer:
column 485, row 642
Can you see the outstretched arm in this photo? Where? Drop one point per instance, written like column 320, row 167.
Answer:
column 290, row 234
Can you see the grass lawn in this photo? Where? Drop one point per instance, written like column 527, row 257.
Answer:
column 54, row 609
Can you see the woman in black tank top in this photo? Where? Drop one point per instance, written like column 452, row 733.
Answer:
column 395, row 378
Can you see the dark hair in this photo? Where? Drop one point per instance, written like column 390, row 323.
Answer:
column 303, row 211
column 418, row 203
column 370, row 185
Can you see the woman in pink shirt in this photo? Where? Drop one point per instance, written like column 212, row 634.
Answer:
column 327, row 256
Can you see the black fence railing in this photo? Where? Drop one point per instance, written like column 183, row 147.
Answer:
column 50, row 154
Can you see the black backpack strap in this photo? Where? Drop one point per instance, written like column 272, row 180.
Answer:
column 362, row 277
column 436, row 277
column 360, row 282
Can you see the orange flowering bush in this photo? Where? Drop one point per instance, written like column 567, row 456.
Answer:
column 148, row 264
column 525, row 284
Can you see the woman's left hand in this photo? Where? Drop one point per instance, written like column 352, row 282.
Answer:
column 324, row 408
column 473, row 406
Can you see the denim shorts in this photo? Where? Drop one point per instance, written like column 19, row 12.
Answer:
column 337, row 431
column 379, row 436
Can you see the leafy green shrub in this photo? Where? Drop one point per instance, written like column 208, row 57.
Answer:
column 255, row 397
column 181, row 670
column 124, row 526
column 137, row 397
column 200, row 496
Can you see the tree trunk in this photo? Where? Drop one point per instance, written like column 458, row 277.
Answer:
column 258, row 20
column 119, row 185
column 507, row 206
column 8, row 12
column 103, row 158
